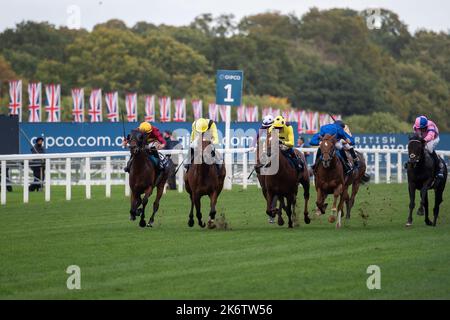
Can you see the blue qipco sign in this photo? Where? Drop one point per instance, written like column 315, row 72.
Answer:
column 229, row 87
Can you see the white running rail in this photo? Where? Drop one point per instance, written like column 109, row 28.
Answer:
column 245, row 158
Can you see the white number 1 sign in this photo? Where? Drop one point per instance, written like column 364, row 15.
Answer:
column 228, row 87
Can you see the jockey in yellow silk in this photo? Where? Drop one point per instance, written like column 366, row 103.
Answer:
column 207, row 129
column 286, row 137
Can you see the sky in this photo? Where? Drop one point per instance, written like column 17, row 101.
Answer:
column 417, row 14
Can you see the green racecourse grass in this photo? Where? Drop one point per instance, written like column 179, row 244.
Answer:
column 253, row 260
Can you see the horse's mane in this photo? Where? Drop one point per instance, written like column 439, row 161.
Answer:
column 416, row 136
column 328, row 137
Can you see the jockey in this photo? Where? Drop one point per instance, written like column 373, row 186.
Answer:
column 267, row 122
column 428, row 130
column 286, row 137
column 207, row 129
column 344, row 142
column 152, row 134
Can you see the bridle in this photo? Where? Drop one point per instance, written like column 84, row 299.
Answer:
column 413, row 158
column 331, row 154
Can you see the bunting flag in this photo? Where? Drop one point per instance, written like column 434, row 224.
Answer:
column 15, row 98
column 240, row 113
column 95, row 104
column 292, row 116
column 164, row 109
column 197, row 109
column 301, row 121
column 285, row 114
column 266, row 111
column 180, row 110
column 223, row 113
column 112, row 105
column 78, row 104
column 149, row 108
column 131, row 106
column 34, row 99
column 213, row 111
column 53, row 103
column 251, row 114
column 275, row 112
column 312, row 119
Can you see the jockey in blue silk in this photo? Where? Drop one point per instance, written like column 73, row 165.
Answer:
column 344, row 139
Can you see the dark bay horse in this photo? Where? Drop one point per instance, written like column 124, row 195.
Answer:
column 282, row 184
column 203, row 179
column 421, row 176
column 143, row 179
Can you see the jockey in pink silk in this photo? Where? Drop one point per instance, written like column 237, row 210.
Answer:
column 428, row 130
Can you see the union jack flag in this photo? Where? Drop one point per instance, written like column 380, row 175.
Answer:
column 164, row 109
column 131, row 105
column 223, row 113
column 34, row 98
column 53, row 105
column 15, row 98
column 78, row 104
column 95, row 106
column 251, row 114
column 240, row 113
column 301, row 115
column 266, row 111
column 112, row 104
column 285, row 114
column 150, row 108
column 312, row 119
column 197, row 109
column 292, row 116
column 213, row 111
column 324, row 119
column 180, row 110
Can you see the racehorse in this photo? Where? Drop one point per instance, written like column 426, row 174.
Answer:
column 204, row 179
column 283, row 184
column 143, row 179
column 330, row 179
column 421, row 176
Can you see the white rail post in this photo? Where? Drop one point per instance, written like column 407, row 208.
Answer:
column 108, row 176
column 399, row 167
column 68, row 179
column 377, row 167
column 47, row 179
column 127, row 180
column 180, row 173
column 388, row 167
column 88, row 177
column 26, row 174
column 244, row 169
column 3, row 183
column 228, row 184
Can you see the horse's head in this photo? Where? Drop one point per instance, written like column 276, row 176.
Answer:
column 327, row 149
column 136, row 141
column 416, row 147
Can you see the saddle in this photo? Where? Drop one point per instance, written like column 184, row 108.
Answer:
column 293, row 160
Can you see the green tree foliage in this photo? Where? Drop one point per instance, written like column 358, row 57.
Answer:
column 378, row 122
column 326, row 60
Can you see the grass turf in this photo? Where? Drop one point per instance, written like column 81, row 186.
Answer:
column 252, row 260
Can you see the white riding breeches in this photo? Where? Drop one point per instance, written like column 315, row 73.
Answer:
column 341, row 145
column 431, row 145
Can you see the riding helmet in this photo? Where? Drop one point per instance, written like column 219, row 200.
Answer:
column 279, row 122
column 421, row 122
column 267, row 121
column 145, row 127
column 340, row 123
column 201, row 125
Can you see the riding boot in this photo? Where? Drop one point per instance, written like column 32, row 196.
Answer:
column 438, row 165
column 355, row 157
column 191, row 157
column 128, row 166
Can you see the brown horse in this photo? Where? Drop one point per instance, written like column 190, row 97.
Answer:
column 204, row 179
column 143, row 180
column 282, row 184
column 329, row 178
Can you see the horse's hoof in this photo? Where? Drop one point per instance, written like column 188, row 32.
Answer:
column 290, row 226
column 408, row 224
column 271, row 220
column 333, row 210
column 280, row 222
column 338, row 225
column 428, row 223
column 132, row 218
column 191, row 223
column 138, row 212
column 318, row 212
column 142, row 224
column 211, row 224
column 420, row 211
column 307, row 220
column 150, row 224
column 331, row 219
column 202, row 224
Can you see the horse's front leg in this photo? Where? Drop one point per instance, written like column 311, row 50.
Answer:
column 425, row 205
column 321, row 207
column 343, row 195
column 147, row 194
column 305, row 184
column 135, row 202
column 269, row 210
column 198, row 204
column 159, row 193
column 212, row 213
column 437, row 201
column 412, row 200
